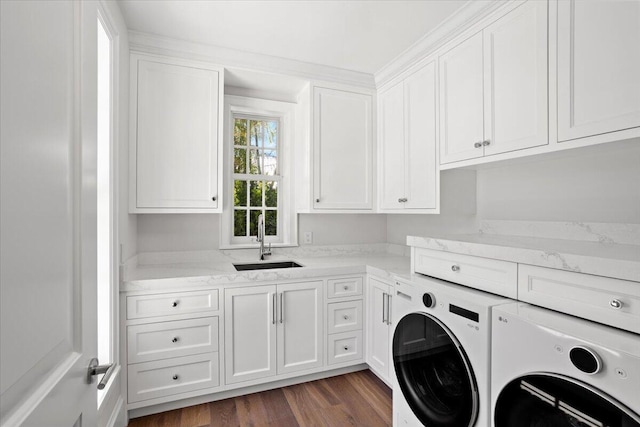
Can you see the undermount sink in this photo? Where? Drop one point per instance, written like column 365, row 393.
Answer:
column 266, row 265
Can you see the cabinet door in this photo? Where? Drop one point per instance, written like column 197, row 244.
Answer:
column 461, row 101
column 515, row 76
column 598, row 67
column 342, row 149
column 250, row 333
column 300, row 320
column 392, row 153
column 177, row 136
column 420, row 156
column 378, row 343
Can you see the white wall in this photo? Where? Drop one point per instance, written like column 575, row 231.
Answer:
column 584, row 186
column 343, row 229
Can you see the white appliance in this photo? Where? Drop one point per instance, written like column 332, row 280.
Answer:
column 441, row 353
column 552, row 369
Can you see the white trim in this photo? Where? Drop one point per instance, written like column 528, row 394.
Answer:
column 118, row 413
column 144, row 42
column 285, row 112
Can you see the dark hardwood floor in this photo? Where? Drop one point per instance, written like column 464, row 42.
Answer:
column 357, row 399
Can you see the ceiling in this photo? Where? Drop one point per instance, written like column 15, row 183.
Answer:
column 354, row 35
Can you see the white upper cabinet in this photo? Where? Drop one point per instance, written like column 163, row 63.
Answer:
column 493, row 87
column 408, row 170
column 175, row 135
column 461, row 101
column 515, row 80
column 342, row 143
column 598, row 67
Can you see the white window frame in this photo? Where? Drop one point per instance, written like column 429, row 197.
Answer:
column 284, row 112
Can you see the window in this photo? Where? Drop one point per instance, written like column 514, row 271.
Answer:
column 256, row 176
column 258, row 147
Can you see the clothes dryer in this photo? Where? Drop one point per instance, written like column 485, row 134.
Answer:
column 556, row 370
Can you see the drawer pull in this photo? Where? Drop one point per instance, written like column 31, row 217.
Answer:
column 455, row 268
column 346, row 348
column 346, row 288
column 175, row 304
column 175, row 339
column 346, row 317
column 616, row 303
column 175, row 377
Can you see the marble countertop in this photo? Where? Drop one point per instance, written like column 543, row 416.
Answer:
column 621, row 261
column 220, row 271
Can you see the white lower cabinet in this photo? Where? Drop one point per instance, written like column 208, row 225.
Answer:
column 272, row 330
column 379, row 328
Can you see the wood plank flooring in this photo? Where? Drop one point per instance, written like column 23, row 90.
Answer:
column 357, row 399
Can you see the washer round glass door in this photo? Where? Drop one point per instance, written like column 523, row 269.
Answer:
column 433, row 372
column 555, row 401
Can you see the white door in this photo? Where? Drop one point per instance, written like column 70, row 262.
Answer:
column 461, row 101
column 300, row 321
column 420, row 110
column 342, row 149
column 392, row 148
column 250, row 333
column 377, row 328
column 515, row 78
column 598, row 67
column 48, row 212
column 177, row 136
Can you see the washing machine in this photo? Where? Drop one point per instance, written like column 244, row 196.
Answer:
column 552, row 369
column 440, row 352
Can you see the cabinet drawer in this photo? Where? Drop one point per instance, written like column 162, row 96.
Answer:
column 601, row 299
column 344, row 316
column 150, row 380
column 490, row 275
column 171, row 339
column 176, row 303
column 344, row 287
column 344, row 347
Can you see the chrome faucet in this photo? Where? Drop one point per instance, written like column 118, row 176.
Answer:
column 261, row 238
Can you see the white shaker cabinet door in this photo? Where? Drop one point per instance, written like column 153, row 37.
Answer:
column 378, row 329
column 598, row 67
column 461, row 101
column 300, row 320
column 392, row 148
column 176, row 139
column 421, row 181
column 515, row 76
column 342, row 149
column 250, row 333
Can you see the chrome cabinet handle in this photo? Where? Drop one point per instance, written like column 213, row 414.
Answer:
column 317, row 200
column 175, row 304
column 281, row 307
column 175, row 339
column 175, row 377
column 477, row 144
column 273, row 312
column 616, row 303
column 403, row 200
column 346, row 288
column 455, row 268
column 345, row 317
column 384, row 309
column 214, row 198
column 388, row 309
column 346, row 348
column 486, row 142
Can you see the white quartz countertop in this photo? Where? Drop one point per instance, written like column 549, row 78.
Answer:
column 621, row 261
column 222, row 271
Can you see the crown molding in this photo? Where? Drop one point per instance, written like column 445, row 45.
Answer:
column 468, row 15
column 160, row 45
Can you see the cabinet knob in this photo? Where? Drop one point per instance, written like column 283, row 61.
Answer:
column 346, row 348
column 477, row 144
column 174, row 304
column 455, row 268
column 346, row 288
column 345, row 317
column 214, row 198
column 487, row 142
column 317, row 200
column 616, row 303
column 175, row 377
column 175, row 339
